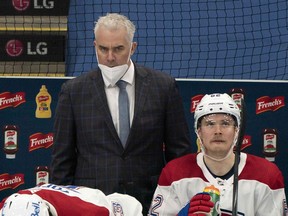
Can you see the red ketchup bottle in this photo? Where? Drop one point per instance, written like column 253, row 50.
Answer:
column 237, row 94
column 270, row 143
column 10, row 141
column 42, row 175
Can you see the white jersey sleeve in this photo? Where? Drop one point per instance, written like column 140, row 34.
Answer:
column 123, row 204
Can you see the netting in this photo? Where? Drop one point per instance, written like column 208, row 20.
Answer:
column 192, row 39
column 215, row 39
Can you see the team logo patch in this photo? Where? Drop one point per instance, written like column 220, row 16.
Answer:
column 117, row 209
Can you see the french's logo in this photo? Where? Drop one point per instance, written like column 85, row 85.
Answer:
column 40, row 140
column 11, row 181
column 8, row 99
column 194, row 102
column 266, row 103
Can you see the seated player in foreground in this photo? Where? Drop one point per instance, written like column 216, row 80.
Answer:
column 184, row 181
column 55, row 200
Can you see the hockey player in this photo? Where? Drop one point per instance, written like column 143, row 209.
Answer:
column 183, row 180
column 54, row 200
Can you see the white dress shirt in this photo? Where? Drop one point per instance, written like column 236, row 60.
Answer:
column 112, row 93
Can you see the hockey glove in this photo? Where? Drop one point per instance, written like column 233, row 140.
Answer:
column 200, row 204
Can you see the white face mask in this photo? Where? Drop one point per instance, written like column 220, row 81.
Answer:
column 113, row 74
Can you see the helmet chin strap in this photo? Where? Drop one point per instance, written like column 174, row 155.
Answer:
column 217, row 159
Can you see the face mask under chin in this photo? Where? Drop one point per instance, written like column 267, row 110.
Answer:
column 113, row 74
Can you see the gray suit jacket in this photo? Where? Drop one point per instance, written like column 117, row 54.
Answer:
column 87, row 150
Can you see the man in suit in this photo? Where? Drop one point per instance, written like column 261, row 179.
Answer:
column 87, row 149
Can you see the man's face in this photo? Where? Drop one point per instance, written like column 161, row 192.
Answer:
column 113, row 47
column 217, row 132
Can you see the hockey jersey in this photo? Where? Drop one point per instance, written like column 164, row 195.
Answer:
column 83, row 201
column 260, row 187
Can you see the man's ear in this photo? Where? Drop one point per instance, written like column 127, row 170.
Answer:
column 133, row 47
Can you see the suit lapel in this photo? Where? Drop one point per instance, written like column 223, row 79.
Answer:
column 99, row 98
column 142, row 81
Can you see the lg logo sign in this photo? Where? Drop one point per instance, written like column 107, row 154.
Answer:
column 32, row 47
column 15, row 48
column 22, row 5
column 34, row 7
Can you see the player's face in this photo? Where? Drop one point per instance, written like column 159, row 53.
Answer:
column 217, row 132
column 113, row 47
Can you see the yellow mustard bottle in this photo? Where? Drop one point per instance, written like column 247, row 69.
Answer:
column 43, row 101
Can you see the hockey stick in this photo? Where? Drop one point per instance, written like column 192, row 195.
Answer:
column 237, row 156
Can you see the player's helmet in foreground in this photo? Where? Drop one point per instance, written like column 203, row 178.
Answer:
column 216, row 103
column 24, row 205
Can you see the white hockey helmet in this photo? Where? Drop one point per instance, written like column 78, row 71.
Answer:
column 24, row 205
column 216, row 103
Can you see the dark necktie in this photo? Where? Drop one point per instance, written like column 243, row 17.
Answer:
column 124, row 120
